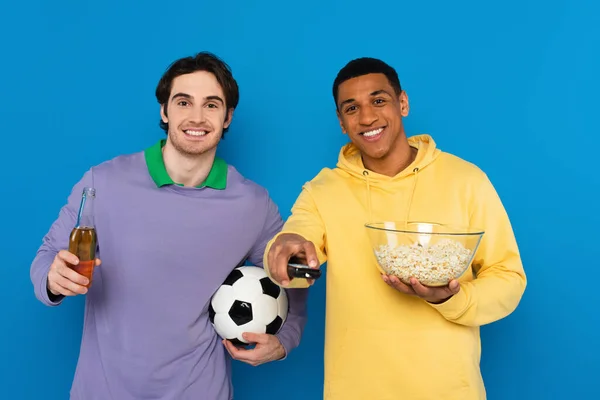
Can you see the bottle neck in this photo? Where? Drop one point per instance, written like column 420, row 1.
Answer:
column 85, row 217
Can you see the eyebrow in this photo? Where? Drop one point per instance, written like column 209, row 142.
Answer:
column 375, row 93
column 180, row 94
column 187, row 96
column 217, row 98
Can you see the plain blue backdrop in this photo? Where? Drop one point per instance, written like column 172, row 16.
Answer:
column 511, row 86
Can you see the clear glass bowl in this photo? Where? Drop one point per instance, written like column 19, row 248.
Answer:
column 432, row 253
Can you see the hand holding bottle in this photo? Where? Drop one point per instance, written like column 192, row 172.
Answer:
column 72, row 270
column 63, row 279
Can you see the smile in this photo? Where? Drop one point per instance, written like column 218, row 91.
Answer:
column 193, row 132
column 372, row 133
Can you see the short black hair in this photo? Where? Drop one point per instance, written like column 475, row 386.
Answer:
column 363, row 66
column 202, row 61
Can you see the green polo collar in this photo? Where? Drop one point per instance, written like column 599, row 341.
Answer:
column 216, row 179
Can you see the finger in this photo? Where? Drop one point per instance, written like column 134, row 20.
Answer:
column 98, row 262
column 281, row 263
column 454, row 286
column 58, row 276
column 310, row 253
column 69, row 285
column 397, row 284
column 259, row 338
column 432, row 292
column 252, row 356
column 72, row 275
column 231, row 349
column 237, row 353
column 226, row 344
column 66, row 256
column 421, row 290
column 273, row 259
column 57, row 289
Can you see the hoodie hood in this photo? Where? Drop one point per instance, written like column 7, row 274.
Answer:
column 350, row 161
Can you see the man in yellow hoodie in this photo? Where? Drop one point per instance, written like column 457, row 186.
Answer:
column 385, row 339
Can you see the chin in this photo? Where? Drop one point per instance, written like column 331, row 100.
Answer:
column 374, row 154
column 192, row 150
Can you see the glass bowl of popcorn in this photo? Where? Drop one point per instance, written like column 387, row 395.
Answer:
column 432, row 253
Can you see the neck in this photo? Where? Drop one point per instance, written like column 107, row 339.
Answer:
column 189, row 170
column 393, row 163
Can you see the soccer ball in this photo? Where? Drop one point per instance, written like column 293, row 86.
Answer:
column 248, row 301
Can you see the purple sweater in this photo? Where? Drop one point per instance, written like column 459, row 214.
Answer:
column 164, row 251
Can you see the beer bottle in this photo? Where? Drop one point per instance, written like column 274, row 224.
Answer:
column 83, row 239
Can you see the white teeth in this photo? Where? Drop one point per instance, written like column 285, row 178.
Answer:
column 373, row 133
column 195, row 133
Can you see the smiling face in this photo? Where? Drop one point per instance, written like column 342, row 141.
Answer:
column 196, row 113
column 370, row 113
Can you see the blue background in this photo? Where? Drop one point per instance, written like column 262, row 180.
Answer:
column 511, row 86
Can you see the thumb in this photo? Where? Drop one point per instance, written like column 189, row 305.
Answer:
column 98, row 262
column 259, row 338
column 66, row 256
column 454, row 286
column 311, row 254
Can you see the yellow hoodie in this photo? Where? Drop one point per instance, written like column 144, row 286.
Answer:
column 379, row 343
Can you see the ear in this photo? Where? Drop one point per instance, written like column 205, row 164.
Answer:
column 404, row 105
column 228, row 118
column 341, row 122
column 163, row 114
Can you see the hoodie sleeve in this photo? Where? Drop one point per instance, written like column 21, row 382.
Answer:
column 305, row 221
column 291, row 332
column 56, row 239
column 500, row 279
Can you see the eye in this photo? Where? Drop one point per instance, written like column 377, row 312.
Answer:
column 183, row 103
column 379, row 101
column 350, row 109
column 212, row 105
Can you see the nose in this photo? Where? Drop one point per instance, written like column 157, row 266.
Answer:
column 367, row 116
column 197, row 115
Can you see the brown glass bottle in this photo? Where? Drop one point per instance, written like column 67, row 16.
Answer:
column 83, row 240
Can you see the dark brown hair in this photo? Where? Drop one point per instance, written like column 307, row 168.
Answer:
column 203, row 61
column 363, row 66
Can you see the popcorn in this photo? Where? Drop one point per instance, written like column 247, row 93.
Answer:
column 433, row 265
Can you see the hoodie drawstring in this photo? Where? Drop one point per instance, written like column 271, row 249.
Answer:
column 410, row 198
column 412, row 193
column 369, row 209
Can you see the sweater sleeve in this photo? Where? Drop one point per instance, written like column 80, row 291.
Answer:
column 56, row 239
column 500, row 278
column 291, row 331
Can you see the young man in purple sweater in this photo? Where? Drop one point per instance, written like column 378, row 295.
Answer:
column 172, row 222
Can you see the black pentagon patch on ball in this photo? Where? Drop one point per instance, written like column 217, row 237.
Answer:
column 241, row 312
column 269, row 288
column 274, row 326
column 233, row 277
column 238, row 343
column 211, row 313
